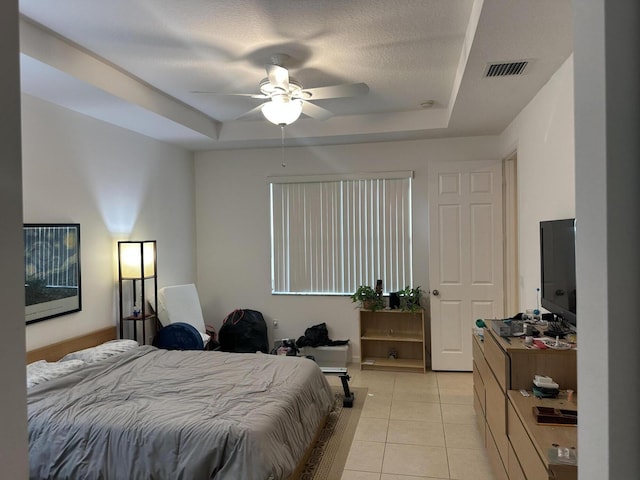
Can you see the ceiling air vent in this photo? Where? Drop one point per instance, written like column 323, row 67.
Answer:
column 506, row 69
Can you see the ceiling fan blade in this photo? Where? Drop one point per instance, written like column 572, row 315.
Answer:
column 336, row 91
column 314, row 111
column 278, row 77
column 250, row 112
column 250, row 95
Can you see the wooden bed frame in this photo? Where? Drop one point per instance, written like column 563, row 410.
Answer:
column 55, row 351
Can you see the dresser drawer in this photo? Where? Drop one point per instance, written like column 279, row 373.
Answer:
column 499, row 472
column 496, row 416
column 478, row 387
column 477, row 346
column 513, row 466
column 482, row 424
column 479, row 358
column 498, row 361
column 526, row 453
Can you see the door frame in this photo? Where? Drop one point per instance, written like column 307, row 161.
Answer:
column 510, row 276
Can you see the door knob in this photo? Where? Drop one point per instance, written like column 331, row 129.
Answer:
column 435, row 293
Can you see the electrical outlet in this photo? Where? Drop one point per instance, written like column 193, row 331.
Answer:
column 275, row 323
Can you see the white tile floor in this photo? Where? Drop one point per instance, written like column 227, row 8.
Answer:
column 416, row 427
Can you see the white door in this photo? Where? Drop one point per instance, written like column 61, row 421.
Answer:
column 465, row 256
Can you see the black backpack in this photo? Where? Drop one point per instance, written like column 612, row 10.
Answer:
column 244, row 331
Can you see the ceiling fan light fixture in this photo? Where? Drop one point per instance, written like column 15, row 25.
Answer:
column 295, row 88
column 282, row 110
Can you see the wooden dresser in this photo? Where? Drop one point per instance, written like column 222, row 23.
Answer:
column 517, row 446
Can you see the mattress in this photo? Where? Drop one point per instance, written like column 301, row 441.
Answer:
column 152, row 413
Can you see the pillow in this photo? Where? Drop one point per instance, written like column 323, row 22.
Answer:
column 101, row 352
column 41, row 371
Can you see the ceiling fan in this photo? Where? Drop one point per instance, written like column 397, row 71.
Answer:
column 286, row 99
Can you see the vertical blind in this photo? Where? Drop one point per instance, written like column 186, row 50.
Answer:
column 331, row 234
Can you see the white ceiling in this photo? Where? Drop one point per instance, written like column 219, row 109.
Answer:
column 136, row 64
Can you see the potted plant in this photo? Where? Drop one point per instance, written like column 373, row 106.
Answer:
column 368, row 298
column 410, row 298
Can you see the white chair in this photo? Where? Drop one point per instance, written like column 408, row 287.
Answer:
column 180, row 303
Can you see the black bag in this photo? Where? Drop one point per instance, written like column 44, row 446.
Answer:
column 314, row 336
column 244, row 331
column 317, row 336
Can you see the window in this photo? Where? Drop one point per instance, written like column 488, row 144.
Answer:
column 331, row 234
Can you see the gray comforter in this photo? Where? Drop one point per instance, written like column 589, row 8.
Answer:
column 157, row 414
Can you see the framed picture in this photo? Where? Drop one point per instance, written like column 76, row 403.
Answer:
column 51, row 270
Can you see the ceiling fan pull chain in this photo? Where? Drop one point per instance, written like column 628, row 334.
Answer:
column 282, row 144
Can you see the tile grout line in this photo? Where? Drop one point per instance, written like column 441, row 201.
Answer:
column 444, row 430
column 395, row 384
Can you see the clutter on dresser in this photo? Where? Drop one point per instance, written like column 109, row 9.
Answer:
column 555, row 416
column 514, row 327
column 562, row 455
column 545, row 387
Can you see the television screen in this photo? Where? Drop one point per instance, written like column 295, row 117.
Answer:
column 558, row 268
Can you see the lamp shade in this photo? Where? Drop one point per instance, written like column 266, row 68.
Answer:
column 281, row 110
column 137, row 259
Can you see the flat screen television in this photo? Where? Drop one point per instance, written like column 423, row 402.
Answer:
column 558, row 268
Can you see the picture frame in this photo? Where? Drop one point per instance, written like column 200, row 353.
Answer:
column 52, row 277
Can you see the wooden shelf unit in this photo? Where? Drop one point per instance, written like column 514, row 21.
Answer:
column 147, row 319
column 386, row 331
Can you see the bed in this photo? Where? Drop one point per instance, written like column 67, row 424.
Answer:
column 151, row 413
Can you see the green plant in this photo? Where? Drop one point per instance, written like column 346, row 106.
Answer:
column 410, row 298
column 368, row 298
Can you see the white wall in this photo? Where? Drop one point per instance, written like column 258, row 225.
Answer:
column 232, row 214
column 13, row 414
column 118, row 185
column 607, row 93
column 542, row 136
column 596, row 181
